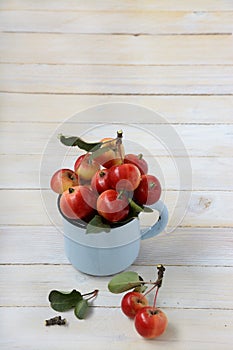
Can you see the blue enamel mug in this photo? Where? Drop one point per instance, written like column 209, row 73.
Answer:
column 108, row 253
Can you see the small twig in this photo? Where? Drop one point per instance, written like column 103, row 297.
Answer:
column 57, row 320
column 157, row 283
column 159, row 280
column 161, row 270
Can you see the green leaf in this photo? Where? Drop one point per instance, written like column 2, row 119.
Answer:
column 124, row 281
column 77, row 141
column 148, row 210
column 142, row 288
column 135, row 208
column 96, row 225
column 62, row 301
column 80, row 310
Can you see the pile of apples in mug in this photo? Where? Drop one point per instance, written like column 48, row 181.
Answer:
column 106, row 186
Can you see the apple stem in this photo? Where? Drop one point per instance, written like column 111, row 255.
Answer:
column 71, row 190
column 120, row 194
column 140, row 156
column 161, row 270
column 102, row 173
column 92, row 294
column 150, row 290
column 157, row 283
column 119, row 134
column 118, row 144
column 155, row 298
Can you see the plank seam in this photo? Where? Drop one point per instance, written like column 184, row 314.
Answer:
column 119, row 33
column 112, row 94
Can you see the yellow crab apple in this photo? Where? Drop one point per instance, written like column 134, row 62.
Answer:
column 62, row 179
column 85, row 167
column 114, row 155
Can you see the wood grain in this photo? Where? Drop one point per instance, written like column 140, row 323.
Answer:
column 189, row 329
column 117, row 49
column 131, row 22
column 118, row 5
column 104, row 79
column 57, row 108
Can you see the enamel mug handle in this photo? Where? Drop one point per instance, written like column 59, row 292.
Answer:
column 160, row 225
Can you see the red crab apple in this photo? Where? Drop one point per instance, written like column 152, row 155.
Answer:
column 115, row 154
column 85, row 167
column 137, row 160
column 149, row 190
column 124, row 177
column 63, row 179
column 78, row 202
column 99, row 181
column 150, row 322
column 132, row 302
column 113, row 206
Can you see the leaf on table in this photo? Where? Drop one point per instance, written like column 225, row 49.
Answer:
column 124, row 281
column 80, row 309
column 62, row 301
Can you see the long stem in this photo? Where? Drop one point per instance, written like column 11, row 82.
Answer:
column 155, row 298
column 157, row 283
column 150, row 290
column 92, row 294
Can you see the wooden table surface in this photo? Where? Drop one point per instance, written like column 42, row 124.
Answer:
column 61, row 57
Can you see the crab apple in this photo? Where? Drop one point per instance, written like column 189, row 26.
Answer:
column 63, row 179
column 113, row 156
column 78, row 202
column 149, row 190
column 85, row 167
column 78, row 161
column 124, row 177
column 132, row 302
column 137, row 160
column 99, row 181
column 150, row 322
column 112, row 206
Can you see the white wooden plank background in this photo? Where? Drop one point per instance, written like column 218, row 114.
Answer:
column 105, row 79
column 176, row 109
column 115, row 5
column 61, row 57
column 116, row 49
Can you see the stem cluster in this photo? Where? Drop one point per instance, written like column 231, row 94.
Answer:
column 157, row 284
